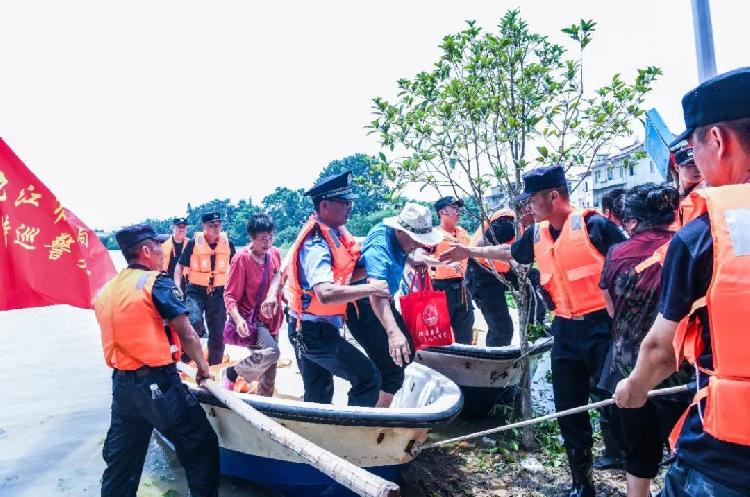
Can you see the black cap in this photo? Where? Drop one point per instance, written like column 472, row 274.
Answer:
column 130, row 235
column 446, row 201
column 210, row 216
column 337, row 186
column 542, row 178
column 179, row 220
column 725, row 97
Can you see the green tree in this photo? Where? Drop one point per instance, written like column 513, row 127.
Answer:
column 289, row 210
column 369, row 183
column 494, row 104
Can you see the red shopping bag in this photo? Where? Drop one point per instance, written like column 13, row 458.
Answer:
column 426, row 315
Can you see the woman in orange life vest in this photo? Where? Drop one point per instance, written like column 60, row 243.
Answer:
column 568, row 248
column 630, row 284
column 207, row 255
column 143, row 323
column 320, row 266
column 704, row 301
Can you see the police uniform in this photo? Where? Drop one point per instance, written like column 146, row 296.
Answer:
column 450, row 279
column 570, row 262
column 133, row 310
column 325, row 254
column 209, row 269
column 705, row 288
column 172, row 252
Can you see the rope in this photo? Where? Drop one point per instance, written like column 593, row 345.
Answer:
column 540, row 419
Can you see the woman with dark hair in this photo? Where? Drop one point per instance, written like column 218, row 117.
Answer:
column 631, row 284
column 250, row 275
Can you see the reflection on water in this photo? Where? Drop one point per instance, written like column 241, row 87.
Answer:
column 56, row 393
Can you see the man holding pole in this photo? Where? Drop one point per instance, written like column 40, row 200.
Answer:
column 144, row 324
column 704, row 300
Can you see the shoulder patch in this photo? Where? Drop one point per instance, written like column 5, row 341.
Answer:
column 177, row 293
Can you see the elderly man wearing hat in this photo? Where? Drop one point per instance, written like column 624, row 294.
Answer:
column 374, row 321
column 569, row 249
column 319, row 268
column 450, row 277
column 704, row 307
column 144, row 325
column 207, row 258
column 173, row 247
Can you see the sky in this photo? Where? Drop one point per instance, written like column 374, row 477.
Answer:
column 129, row 110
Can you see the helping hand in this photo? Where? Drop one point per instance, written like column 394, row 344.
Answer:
column 628, row 395
column 398, row 347
column 203, row 373
column 455, row 253
column 379, row 288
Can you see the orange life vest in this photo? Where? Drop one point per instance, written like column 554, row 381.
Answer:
column 446, row 272
column 201, row 272
column 345, row 252
column 570, row 267
column 728, row 392
column 169, row 252
column 133, row 332
column 500, row 266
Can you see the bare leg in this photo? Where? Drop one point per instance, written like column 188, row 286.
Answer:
column 638, row 487
column 384, row 399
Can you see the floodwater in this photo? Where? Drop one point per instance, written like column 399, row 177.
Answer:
column 56, row 392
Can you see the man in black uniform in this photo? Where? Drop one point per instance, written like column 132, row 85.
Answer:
column 143, row 321
column 173, row 246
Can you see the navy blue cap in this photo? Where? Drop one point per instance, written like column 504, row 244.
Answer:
column 136, row 233
column 446, row 201
column 179, row 220
column 542, row 178
column 725, row 97
column 337, row 186
column 210, row 216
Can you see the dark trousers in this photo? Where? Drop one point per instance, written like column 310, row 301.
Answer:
column 176, row 415
column 369, row 332
column 199, row 304
column 684, row 481
column 324, row 353
column 578, row 355
column 459, row 308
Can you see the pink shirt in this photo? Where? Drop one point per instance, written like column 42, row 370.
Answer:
column 245, row 274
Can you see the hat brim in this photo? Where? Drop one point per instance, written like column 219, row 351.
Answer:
column 430, row 239
column 682, row 137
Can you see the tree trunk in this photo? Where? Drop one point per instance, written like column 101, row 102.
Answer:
column 524, row 308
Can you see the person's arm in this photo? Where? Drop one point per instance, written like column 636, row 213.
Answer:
column 191, row 344
column 332, row 293
column 608, row 301
column 234, row 290
column 459, row 252
column 178, row 274
column 398, row 346
column 656, row 361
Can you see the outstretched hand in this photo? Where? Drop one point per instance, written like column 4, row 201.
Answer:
column 455, row 253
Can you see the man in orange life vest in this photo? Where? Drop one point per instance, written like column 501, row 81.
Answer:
column 321, row 264
column 569, row 249
column 450, row 277
column 172, row 248
column 144, row 324
column 207, row 258
column 704, row 300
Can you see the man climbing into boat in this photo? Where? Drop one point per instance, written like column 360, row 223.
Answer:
column 569, row 248
column 321, row 264
column 374, row 321
column 144, row 325
column 207, row 256
column 703, row 309
column 450, row 277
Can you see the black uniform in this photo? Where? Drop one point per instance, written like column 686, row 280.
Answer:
column 176, row 414
column 200, row 303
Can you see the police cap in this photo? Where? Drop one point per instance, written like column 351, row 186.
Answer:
column 542, row 178
column 446, row 201
column 725, row 97
column 337, row 186
column 210, row 216
column 136, row 233
column 179, row 220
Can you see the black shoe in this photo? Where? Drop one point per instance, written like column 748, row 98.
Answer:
column 609, row 462
column 614, row 456
column 580, row 462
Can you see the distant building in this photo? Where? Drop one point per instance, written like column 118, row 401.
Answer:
column 623, row 170
column 582, row 191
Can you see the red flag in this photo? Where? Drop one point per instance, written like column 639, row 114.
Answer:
column 47, row 255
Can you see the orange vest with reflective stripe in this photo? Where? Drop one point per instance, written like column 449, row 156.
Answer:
column 570, row 267
column 443, row 272
column 345, row 251
column 168, row 248
column 727, row 304
column 500, row 266
column 200, row 261
column 133, row 331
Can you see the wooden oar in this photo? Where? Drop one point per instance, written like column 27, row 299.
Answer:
column 594, row 405
column 353, row 477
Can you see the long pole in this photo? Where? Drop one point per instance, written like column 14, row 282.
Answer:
column 704, row 40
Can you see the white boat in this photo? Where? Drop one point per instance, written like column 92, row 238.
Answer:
column 377, row 439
